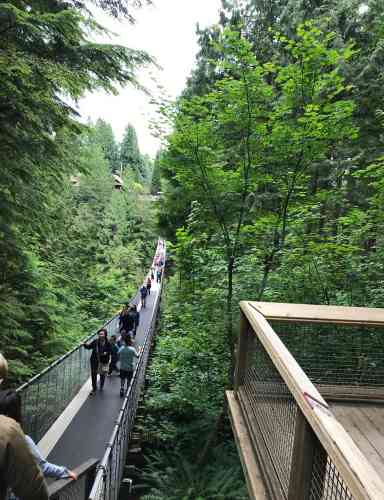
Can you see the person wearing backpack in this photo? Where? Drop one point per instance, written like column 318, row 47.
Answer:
column 127, row 320
column 158, row 275
column 10, row 406
column 136, row 318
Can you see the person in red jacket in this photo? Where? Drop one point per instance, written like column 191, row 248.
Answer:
column 149, row 284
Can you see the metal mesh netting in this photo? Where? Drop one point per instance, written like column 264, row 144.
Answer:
column 46, row 396
column 327, row 483
column 336, row 354
column 273, row 410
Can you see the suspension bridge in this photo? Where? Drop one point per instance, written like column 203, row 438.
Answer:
column 89, row 435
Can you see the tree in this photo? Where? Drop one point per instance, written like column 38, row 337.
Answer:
column 258, row 131
column 130, row 156
column 104, row 136
column 156, row 175
column 46, row 62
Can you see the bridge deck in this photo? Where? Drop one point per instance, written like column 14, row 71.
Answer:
column 88, row 433
column 365, row 423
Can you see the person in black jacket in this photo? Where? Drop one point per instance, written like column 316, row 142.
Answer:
column 100, row 358
column 136, row 319
column 126, row 320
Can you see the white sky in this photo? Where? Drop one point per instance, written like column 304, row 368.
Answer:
column 166, row 30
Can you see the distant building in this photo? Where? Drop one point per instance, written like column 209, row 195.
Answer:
column 118, row 181
column 75, row 180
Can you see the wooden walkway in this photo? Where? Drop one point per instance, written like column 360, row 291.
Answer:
column 365, row 424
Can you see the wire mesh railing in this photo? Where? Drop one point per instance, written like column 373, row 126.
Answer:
column 272, row 408
column 46, row 395
column 303, row 451
column 339, row 359
column 110, row 471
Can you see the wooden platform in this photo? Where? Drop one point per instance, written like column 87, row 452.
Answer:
column 365, row 424
column 251, row 468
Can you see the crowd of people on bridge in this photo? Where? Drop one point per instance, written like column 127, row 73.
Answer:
column 23, row 468
column 107, row 353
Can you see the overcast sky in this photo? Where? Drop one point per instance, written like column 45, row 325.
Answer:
column 166, row 30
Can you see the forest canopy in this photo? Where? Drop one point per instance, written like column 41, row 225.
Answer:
column 68, row 254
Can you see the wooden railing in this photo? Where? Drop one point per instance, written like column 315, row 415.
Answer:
column 291, row 445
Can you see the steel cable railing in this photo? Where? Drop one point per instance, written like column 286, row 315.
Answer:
column 110, row 473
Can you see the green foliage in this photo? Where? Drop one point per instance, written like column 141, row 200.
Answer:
column 272, row 182
column 131, row 158
column 48, row 234
column 156, row 174
column 104, row 137
column 183, row 480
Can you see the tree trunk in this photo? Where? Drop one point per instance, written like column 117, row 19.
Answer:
column 229, row 318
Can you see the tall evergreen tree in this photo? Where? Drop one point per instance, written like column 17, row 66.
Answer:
column 156, row 175
column 130, row 157
column 104, row 136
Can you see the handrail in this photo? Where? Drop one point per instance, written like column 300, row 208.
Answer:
column 314, row 313
column 57, row 487
column 360, row 477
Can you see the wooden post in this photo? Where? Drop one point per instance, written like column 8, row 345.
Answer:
column 302, row 459
column 243, row 346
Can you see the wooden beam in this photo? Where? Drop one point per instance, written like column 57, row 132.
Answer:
column 362, row 480
column 251, row 469
column 310, row 313
column 243, row 347
column 304, row 446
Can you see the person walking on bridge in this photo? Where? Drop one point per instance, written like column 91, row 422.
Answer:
column 149, row 284
column 100, row 358
column 18, row 468
column 114, row 355
column 143, row 294
column 128, row 320
column 127, row 354
column 158, row 275
column 136, row 319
